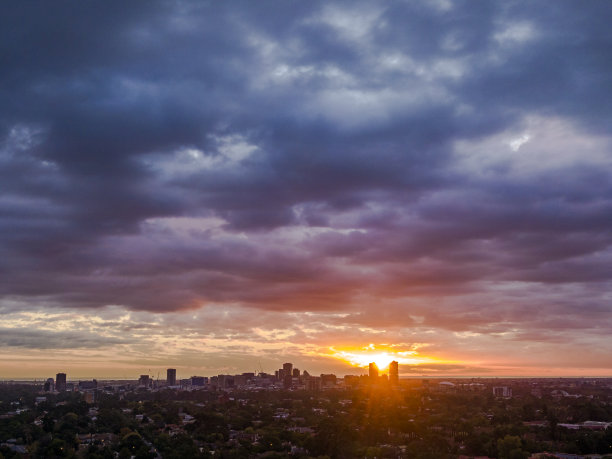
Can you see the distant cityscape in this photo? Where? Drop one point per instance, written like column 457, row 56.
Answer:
column 287, row 377
column 292, row 413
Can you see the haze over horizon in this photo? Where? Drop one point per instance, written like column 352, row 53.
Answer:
column 220, row 187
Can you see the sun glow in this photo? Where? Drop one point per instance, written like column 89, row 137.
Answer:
column 381, row 359
column 381, row 356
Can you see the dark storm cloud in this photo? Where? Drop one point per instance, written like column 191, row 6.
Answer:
column 348, row 151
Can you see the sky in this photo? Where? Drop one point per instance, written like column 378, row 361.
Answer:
column 221, row 187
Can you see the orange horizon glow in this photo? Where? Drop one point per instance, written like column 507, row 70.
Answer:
column 382, row 356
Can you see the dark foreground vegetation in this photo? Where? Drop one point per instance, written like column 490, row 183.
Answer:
column 416, row 420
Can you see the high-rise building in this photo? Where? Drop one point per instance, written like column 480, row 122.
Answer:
column 144, row 380
column 199, row 381
column 373, row 371
column 171, row 376
column 313, row 383
column 60, row 382
column 328, row 380
column 394, row 373
column 296, row 372
column 225, row 381
column 288, row 368
column 49, row 385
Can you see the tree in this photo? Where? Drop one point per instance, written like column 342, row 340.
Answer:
column 334, row 438
column 132, row 442
column 48, row 423
column 510, row 447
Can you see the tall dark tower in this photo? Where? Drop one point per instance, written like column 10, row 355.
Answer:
column 60, row 382
column 171, row 376
column 373, row 371
column 288, row 367
column 394, row 373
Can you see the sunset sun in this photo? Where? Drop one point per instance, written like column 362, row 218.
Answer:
column 381, row 355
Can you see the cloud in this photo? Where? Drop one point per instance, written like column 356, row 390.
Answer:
column 43, row 340
column 443, row 166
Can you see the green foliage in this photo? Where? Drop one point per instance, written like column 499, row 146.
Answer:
column 132, row 441
column 177, row 447
column 111, row 420
column 335, row 438
column 53, row 448
column 357, row 423
column 510, row 447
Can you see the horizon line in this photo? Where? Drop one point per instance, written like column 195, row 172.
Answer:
column 123, row 378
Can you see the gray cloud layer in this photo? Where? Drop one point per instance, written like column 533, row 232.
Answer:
column 451, row 161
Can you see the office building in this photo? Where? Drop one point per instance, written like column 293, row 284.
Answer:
column 240, row 380
column 60, row 382
column 88, row 385
column 171, row 376
column 199, row 381
column 144, row 380
column 502, row 391
column 394, row 373
column 287, row 369
column 49, row 385
column 225, row 381
column 373, row 371
column 328, row 380
column 312, row 383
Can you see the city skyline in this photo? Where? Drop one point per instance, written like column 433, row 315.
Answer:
column 217, row 187
column 172, row 376
column 372, row 371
